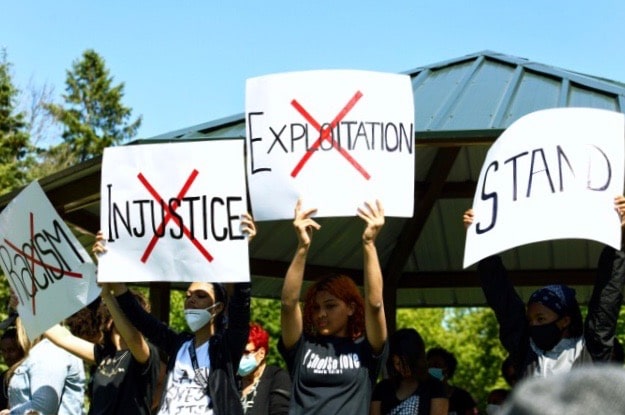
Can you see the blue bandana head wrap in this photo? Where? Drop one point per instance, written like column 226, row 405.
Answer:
column 558, row 298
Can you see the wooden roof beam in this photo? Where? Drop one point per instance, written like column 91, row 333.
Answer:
column 424, row 202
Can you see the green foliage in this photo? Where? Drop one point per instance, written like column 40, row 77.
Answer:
column 472, row 334
column 15, row 149
column 54, row 159
column 93, row 115
column 176, row 311
column 266, row 312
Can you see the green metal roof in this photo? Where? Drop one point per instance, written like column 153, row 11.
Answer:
column 479, row 94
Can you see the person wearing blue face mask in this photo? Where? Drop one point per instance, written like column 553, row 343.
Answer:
column 442, row 365
column 265, row 389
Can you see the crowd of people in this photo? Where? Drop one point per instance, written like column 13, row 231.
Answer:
column 339, row 358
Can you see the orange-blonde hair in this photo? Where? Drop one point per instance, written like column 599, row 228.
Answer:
column 343, row 288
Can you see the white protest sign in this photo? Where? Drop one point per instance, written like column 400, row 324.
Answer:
column 48, row 270
column 334, row 138
column 172, row 212
column 553, row 174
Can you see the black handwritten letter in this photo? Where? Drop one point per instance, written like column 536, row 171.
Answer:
column 534, row 171
column 252, row 141
column 514, row 172
column 562, row 157
column 486, row 196
column 608, row 168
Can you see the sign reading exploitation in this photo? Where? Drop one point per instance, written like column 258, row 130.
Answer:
column 172, row 212
column 49, row 271
column 334, row 138
column 553, row 174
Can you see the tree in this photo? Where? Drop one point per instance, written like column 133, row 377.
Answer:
column 472, row 335
column 93, row 116
column 15, row 148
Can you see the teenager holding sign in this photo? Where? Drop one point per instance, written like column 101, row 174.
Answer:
column 335, row 347
column 549, row 336
column 127, row 366
column 202, row 364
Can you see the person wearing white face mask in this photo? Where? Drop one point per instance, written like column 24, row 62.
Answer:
column 202, row 365
column 265, row 389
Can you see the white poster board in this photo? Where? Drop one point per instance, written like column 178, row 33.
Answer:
column 172, row 212
column 48, row 269
column 553, row 174
column 334, row 138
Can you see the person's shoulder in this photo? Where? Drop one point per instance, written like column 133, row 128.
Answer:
column 462, row 395
column 46, row 346
column 460, row 391
column 278, row 375
column 384, row 382
column 48, row 352
column 383, row 387
column 274, row 370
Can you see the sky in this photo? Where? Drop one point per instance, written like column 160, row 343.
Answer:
column 185, row 62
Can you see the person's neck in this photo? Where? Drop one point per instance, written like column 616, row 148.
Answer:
column 203, row 335
column 406, row 387
column 410, row 381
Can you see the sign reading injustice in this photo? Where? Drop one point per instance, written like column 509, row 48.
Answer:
column 172, row 212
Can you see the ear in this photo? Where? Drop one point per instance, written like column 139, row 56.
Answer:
column 219, row 308
column 564, row 323
column 261, row 353
column 351, row 308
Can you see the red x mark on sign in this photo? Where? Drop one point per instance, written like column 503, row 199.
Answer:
column 326, row 134
column 36, row 262
column 169, row 216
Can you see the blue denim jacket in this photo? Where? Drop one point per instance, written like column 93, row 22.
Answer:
column 49, row 381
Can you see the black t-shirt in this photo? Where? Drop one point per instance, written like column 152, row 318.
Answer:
column 460, row 401
column 332, row 375
column 418, row 403
column 4, row 399
column 121, row 385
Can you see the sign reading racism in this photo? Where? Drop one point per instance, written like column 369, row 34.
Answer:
column 553, row 174
column 172, row 212
column 49, row 271
column 334, row 138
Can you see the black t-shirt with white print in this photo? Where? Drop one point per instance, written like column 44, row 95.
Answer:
column 331, row 375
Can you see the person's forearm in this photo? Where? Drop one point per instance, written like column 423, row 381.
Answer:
column 375, row 318
column 133, row 337
column 290, row 313
column 63, row 338
column 372, row 277
column 292, row 286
